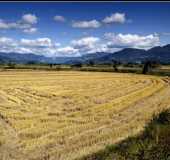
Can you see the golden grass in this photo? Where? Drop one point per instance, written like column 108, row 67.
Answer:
column 65, row 115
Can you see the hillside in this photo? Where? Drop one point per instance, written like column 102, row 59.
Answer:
column 130, row 55
column 29, row 57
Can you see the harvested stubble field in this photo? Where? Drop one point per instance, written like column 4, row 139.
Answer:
column 66, row 115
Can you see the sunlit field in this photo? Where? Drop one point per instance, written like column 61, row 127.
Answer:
column 48, row 115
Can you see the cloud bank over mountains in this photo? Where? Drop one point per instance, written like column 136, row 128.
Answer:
column 110, row 42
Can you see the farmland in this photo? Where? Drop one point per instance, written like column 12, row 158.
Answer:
column 65, row 115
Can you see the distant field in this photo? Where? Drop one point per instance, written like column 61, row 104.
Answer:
column 64, row 115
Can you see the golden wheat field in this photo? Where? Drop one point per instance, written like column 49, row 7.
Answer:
column 48, row 115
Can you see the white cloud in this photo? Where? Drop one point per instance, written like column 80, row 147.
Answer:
column 25, row 24
column 92, row 45
column 115, row 18
column 45, row 46
column 131, row 40
column 13, row 25
column 86, row 44
column 40, row 46
column 86, row 41
column 30, row 30
column 5, row 40
column 29, row 18
column 102, row 47
column 59, row 18
column 57, row 44
column 22, row 26
column 7, row 44
column 67, row 50
column 39, row 42
column 9, row 25
column 3, row 25
column 86, row 24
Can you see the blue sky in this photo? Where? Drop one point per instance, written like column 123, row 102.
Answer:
column 76, row 28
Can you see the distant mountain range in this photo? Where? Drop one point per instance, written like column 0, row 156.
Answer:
column 127, row 55
column 31, row 58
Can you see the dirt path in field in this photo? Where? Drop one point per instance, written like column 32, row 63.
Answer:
column 10, row 149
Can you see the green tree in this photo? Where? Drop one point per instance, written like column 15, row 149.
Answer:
column 115, row 63
column 91, row 63
column 147, row 67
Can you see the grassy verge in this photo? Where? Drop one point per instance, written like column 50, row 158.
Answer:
column 152, row 144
